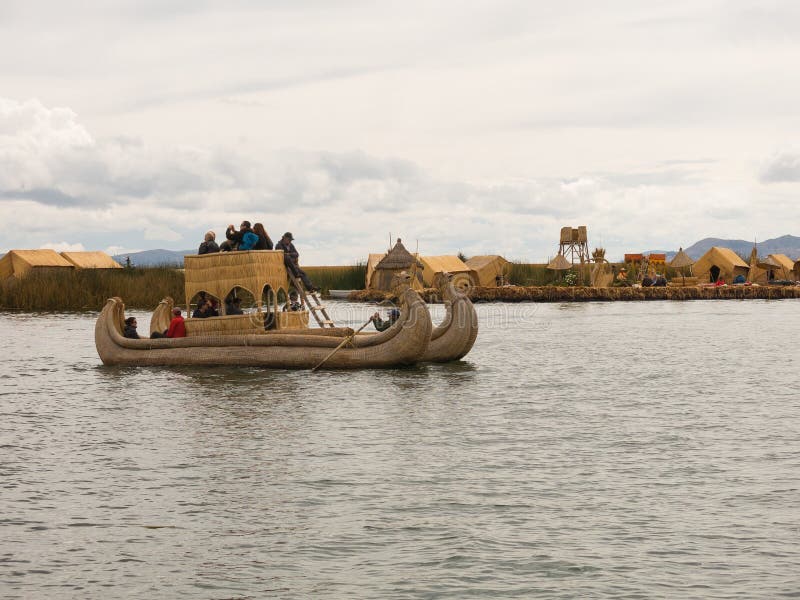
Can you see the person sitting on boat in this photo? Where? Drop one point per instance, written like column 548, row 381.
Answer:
column 660, row 281
column 203, row 310
column 177, row 327
column 234, row 238
column 130, row 329
column 382, row 325
column 647, row 281
column 208, row 245
column 264, row 241
column 234, row 307
column 291, row 257
column 293, row 305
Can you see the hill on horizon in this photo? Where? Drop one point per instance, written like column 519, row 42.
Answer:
column 785, row 244
column 154, row 258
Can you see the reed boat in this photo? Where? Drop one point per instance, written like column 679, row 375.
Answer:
column 267, row 337
column 454, row 337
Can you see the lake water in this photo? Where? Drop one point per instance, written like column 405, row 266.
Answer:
column 631, row 450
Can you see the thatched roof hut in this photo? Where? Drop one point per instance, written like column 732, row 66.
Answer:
column 18, row 263
column 719, row 263
column 381, row 268
column 559, row 263
column 491, row 269
column 433, row 266
column 681, row 260
column 91, row 260
column 774, row 266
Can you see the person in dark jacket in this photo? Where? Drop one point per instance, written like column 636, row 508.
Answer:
column 209, row 245
column 293, row 305
column 234, row 307
column 203, row 310
column 234, row 238
column 130, row 329
column 264, row 241
column 291, row 257
column 382, row 325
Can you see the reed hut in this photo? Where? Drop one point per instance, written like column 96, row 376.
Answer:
column 19, row 263
column 681, row 261
column 492, row 270
column 381, row 273
column 796, row 270
column 91, row 260
column 771, row 268
column 719, row 263
column 464, row 277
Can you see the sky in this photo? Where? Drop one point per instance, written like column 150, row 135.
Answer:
column 480, row 127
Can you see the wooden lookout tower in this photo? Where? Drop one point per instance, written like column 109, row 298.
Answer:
column 574, row 244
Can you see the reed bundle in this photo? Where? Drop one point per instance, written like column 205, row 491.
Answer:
column 589, row 294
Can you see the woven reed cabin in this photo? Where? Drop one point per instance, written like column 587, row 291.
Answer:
column 773, row 267
column 381, row 268
column 491, row 270
column 719, row 263
column 464, row 277
column 19, row 263
column 260, row 274
column 91, row 260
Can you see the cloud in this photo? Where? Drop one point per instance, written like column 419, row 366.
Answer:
column 161, row 233
column 122, row 192
column 63, row 247
column 782, row 166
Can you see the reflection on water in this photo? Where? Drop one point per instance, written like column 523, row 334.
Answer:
column 580, row 450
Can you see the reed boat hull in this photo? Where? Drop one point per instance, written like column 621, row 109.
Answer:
column 455, row 336
column 402, row 344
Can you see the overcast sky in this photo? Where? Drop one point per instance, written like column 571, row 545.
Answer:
column 475, row 126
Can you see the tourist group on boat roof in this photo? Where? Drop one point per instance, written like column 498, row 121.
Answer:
column 257, row 238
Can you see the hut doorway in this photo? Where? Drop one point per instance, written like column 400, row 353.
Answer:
column 713, row 273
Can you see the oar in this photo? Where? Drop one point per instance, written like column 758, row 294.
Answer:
column 344, row 341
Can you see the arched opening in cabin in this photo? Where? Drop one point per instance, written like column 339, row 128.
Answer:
column 269, row 306
column 282, row 299
column 198, row 300
column 239, row 301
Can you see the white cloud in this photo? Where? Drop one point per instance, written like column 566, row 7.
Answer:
column 63, row 247
column 782, row 166
column 161, row 233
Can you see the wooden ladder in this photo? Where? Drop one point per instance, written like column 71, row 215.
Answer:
column 317, row 309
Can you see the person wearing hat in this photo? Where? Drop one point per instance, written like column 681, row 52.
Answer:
column 382, row 325
column 291, row 257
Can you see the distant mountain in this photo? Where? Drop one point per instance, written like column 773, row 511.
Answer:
column 786, row 244
column 153, row 258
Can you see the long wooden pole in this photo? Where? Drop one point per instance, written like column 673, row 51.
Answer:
column 340, row 346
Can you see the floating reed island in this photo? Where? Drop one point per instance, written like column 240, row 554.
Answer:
column 550, row 293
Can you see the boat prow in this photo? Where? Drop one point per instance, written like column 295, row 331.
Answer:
column 404, row 343
column 455, row 336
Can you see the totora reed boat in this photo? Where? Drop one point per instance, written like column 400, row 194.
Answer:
column 273, row 338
